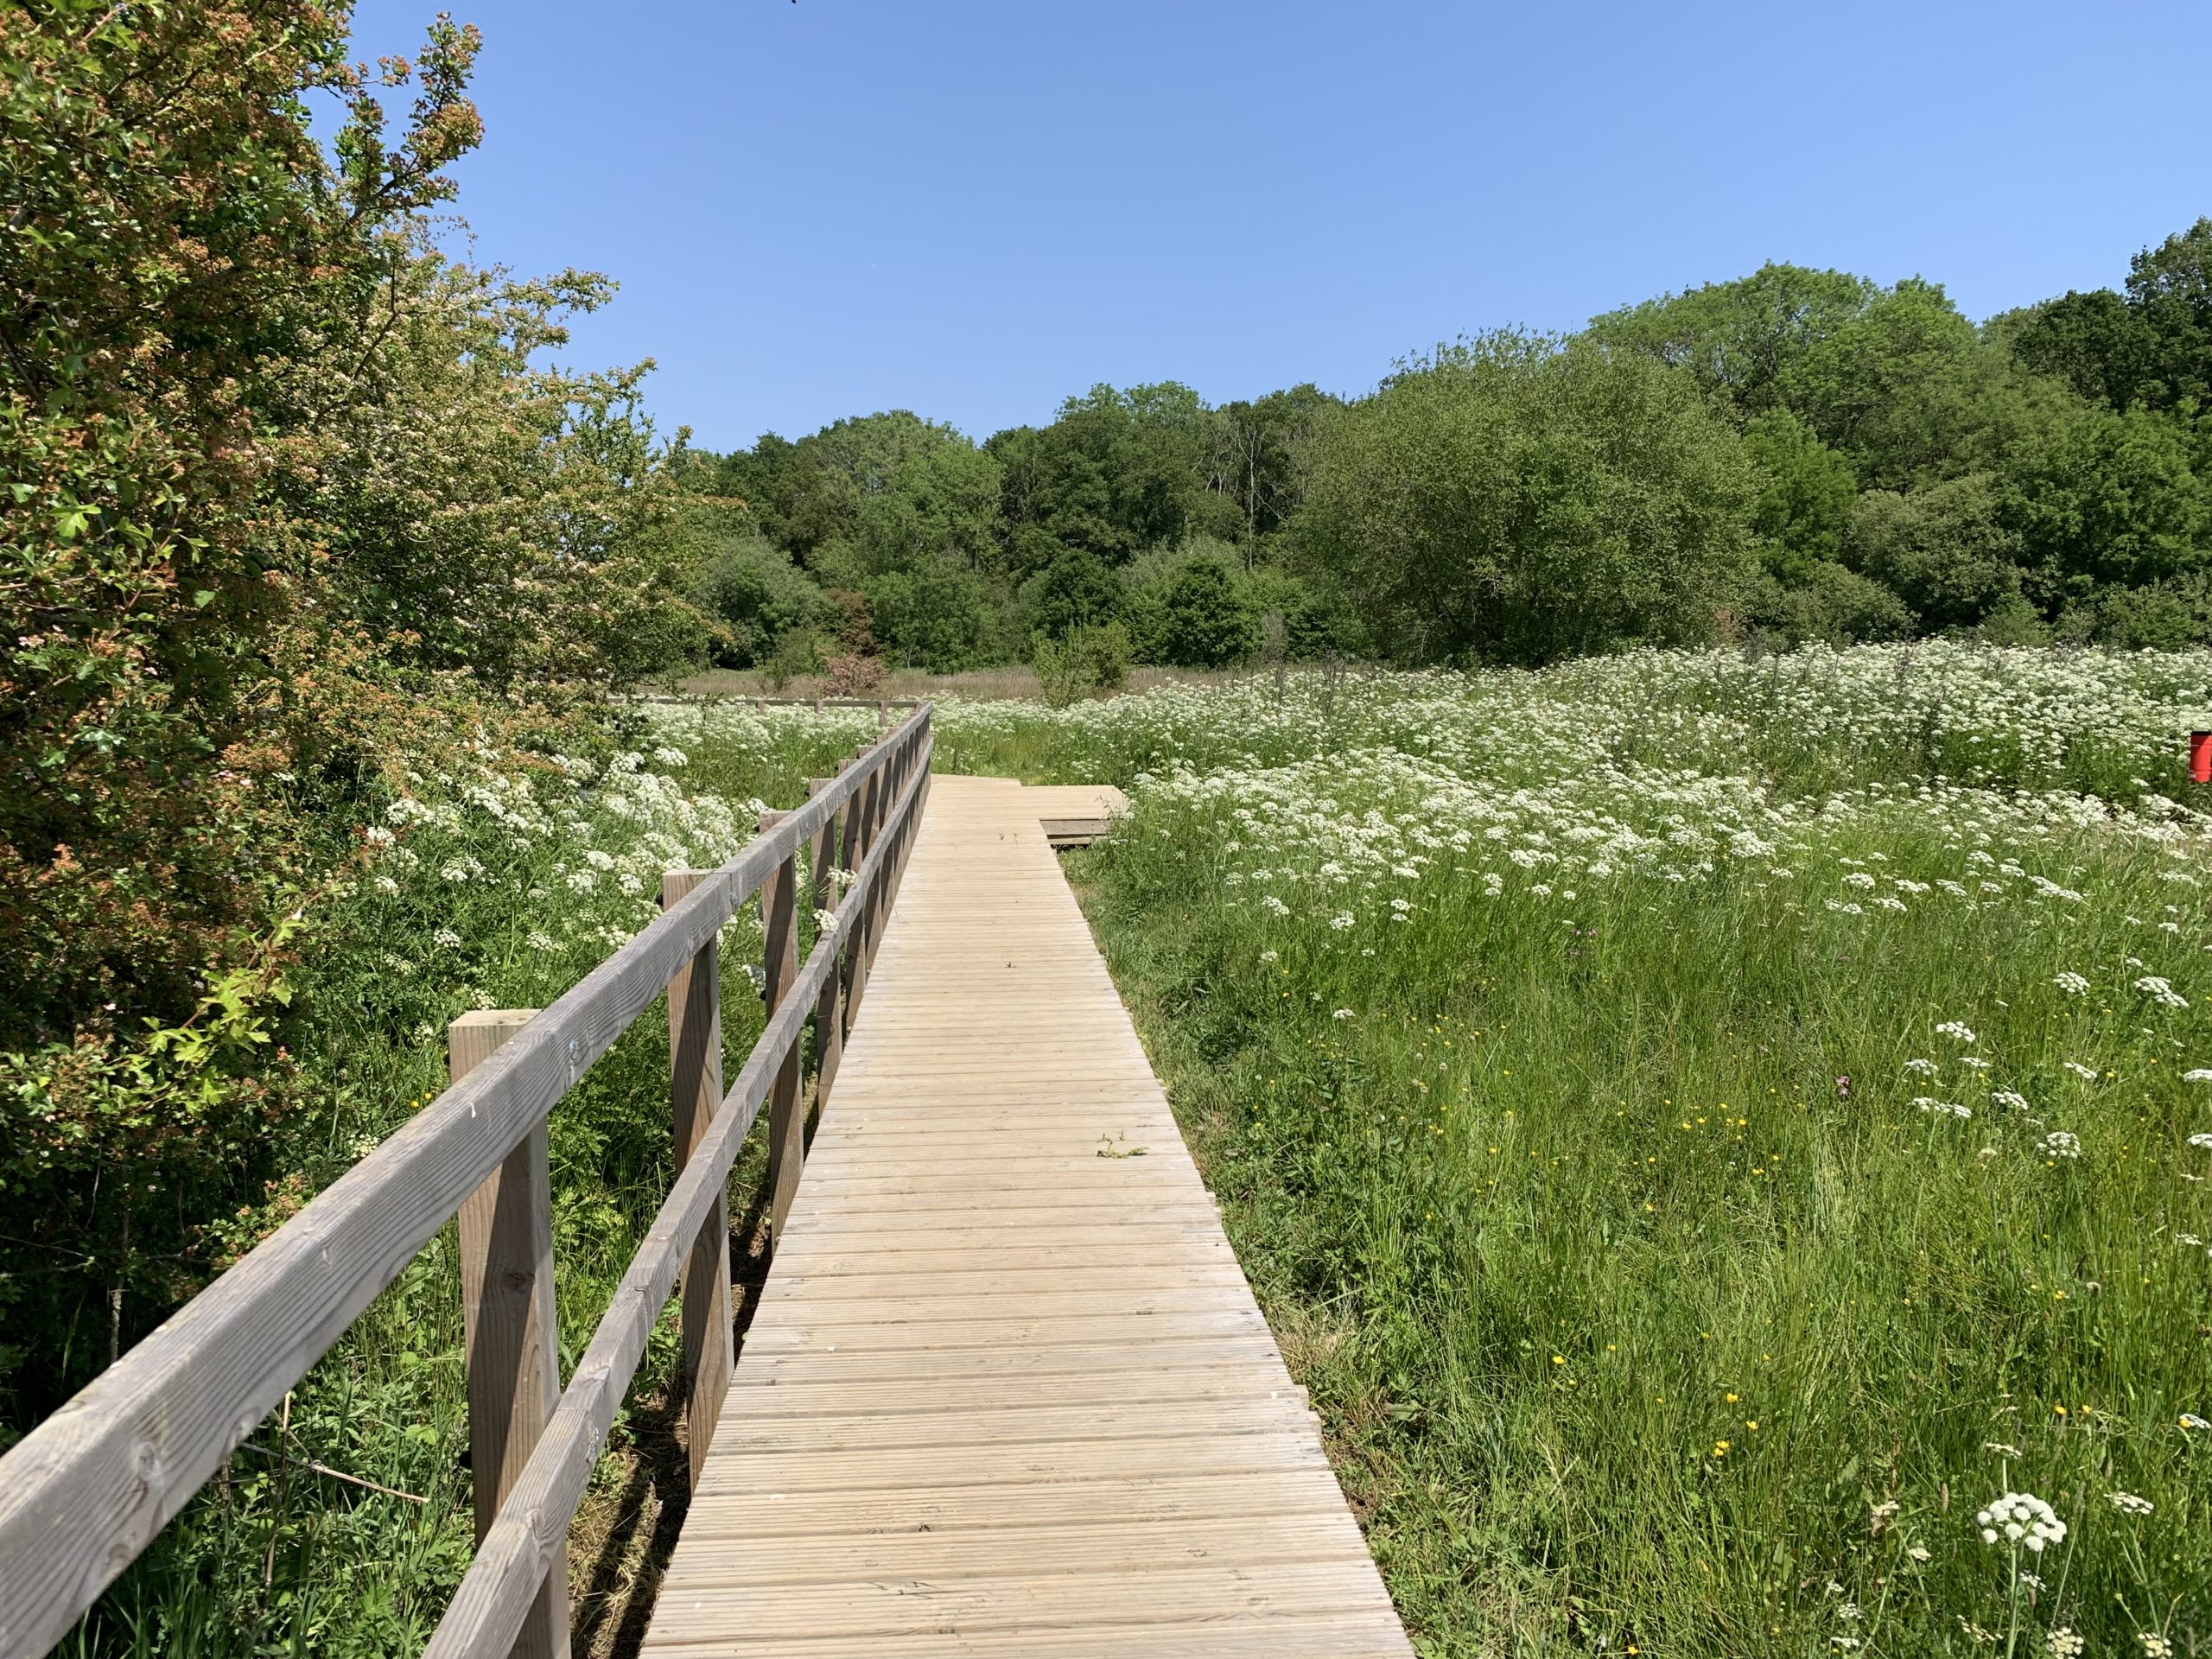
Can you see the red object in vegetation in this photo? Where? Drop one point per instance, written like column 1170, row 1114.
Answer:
column 2200, row 756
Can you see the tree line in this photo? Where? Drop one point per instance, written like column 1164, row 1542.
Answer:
column 1797, row 454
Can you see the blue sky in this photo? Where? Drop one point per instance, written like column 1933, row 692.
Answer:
column 972, row 210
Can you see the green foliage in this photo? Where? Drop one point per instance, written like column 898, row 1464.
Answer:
column 1083, row 661
column 1806, row 495
column 1078, row 590
column 1740, row 340
column 1945, row 551
column 2152, row 346
column 1518, row 498
column 1831, row 604
column 762, row 599
column 289, row 513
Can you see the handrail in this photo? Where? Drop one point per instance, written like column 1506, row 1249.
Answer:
column 87, row 1490
column 494, row 1597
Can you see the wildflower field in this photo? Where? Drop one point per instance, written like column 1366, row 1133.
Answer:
column 1723, row 1139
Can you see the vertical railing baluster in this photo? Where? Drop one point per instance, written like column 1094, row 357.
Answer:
column 780, row 968
column 511, row 1329
column 694, row 1083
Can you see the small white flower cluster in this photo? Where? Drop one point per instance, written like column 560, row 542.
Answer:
column 2128, row 1503
column 2161, row 992
column 1942, row 1108
column 2072, row 984
column 2058, row 1144
column 2018, row 1102
column 2021, row 1518
column 1956, row 1029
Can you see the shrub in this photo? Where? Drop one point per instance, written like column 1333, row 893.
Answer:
column 1519, row 498
column 1087, row 660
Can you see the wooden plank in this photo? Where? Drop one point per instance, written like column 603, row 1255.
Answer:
column 512, row 1327
column 695, row 1051
column 996, row 1508
column 84, row 1492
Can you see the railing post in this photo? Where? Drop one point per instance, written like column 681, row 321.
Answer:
column 780, row 968
column 512, row 1330
column 828, row 1013
column 859, row 837
column 695, row 1078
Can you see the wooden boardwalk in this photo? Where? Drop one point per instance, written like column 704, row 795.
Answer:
column 1006, row 1392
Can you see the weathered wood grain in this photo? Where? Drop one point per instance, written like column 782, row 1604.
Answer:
column 1005, row 1389
column 694, row 1061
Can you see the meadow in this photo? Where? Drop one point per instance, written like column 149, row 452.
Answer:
column 1705, row 1127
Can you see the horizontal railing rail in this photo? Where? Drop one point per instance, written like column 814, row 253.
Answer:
column 87, row 1490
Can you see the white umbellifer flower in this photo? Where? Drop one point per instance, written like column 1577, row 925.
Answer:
column 2128, row 1503
column 1269, row 956
column 447, row 938
column 1974, row 1063
column 2087, row 1072
column 1341, row 1014
column 2160, row 992
column 1341, row 920
column 1272, row 902
column 1926, row 1068
column 825, row 923
column 377, row 835
column 385, row 884
column 2023, row 1519
column 2154, row 1645
column 2060, row 1144
column 1859, row 879
column 1941, row 1108
column 2006, row 1097
column 540, row 940
column 1955, row 1028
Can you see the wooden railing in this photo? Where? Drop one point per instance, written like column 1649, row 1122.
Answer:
column 87, row 1490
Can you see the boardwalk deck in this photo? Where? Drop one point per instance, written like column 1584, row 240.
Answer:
column 1006, row 1391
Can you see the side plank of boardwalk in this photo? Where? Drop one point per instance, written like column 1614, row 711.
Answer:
column 1006, row 1391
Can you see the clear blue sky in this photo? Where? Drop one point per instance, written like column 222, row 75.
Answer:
column 972, row 210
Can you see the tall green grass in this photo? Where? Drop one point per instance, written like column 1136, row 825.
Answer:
column 1588, row 1190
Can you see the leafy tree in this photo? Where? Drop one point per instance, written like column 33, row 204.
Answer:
column 1078, row 590
column 1517, row 497
column 761, row 598
column 1805, row 498
column 2152, row 345
column 1945, row 549
column 936, row 614
column 1115, row 473
column 1203, row 621
column 1738, row 340
column 2112, row 498
column 1257, row 461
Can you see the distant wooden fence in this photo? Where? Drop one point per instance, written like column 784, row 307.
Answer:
column 87, row 1490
